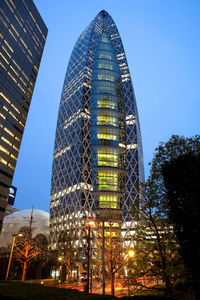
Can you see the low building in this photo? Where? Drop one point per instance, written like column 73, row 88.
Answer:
column 15, row 221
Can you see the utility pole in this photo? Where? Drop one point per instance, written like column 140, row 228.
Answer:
column 11, row 252
column 89, row 225
column 88, row 261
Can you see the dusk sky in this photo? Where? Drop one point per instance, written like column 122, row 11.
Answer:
column 162, row 46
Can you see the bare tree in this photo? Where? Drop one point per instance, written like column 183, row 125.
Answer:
column 67, row 253
column 113, row 250
column 27, row 248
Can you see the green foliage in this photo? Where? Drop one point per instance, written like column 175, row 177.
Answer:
column 175, row 175
column 157, row 248
column 156, row 256
column 165, row 152
column 182, row 182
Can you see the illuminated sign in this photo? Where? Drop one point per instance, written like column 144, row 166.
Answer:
column 12, row 195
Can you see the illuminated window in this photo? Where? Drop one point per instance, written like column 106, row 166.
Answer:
column 7, row 141
column 17, row 139
column 105, row 55
column 104, row 38
column 5, row 97
column 11, row 166
column 4, row 58
column 14, row 157
column 108, row 134
column 17, row 149
column 107, row 118
column 3, row 161
column 104, row 65
column 8, row 131
column 108, row 201
column 4, row 150
column 106, row 77
column 106, row 101
column 107, row 180
column 107, row 104
column 107, row 157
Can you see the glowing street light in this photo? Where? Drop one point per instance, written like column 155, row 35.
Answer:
column 59, row 258
column 11, row 251
column 131, row 253
column 90, row 223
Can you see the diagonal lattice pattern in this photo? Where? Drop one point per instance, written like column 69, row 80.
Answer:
column 73, row 198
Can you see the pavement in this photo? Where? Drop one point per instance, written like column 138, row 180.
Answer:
column 120, row 291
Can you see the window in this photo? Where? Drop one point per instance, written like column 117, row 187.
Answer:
column 107, row 180
column 108, row 134
column 109, row 201
column 107, row 157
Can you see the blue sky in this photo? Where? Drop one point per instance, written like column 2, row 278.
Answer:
column 162, row 45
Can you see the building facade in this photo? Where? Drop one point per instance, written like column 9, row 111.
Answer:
column 98, row 158
column 22, row 39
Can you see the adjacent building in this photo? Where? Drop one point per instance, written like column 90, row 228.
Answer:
column 98, row 161
column 22, row 39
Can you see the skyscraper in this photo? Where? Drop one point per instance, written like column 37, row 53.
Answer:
column 22, row 38
column 98, row 154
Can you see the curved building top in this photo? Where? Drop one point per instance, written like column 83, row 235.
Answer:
column 98, row 151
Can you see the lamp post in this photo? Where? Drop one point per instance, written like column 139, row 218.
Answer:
column 60, row 260
column 11, row 252
column 90, row 224
column 131, row 253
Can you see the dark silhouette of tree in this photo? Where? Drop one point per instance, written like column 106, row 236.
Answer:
column 39, row 267
column 159, row 256
column 176, row 146
column 67, row 252
column 182, row 182
column 4, row 257
column 156, row 255
column 165, row 154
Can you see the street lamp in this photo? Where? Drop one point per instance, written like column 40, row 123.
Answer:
column 60, row 259
column 131, row 253
column 89, row 224
column 11, row 251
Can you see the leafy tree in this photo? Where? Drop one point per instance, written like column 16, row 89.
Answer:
column 182, row 182
column 160, row 254
column 156, row 254
column 165, row 154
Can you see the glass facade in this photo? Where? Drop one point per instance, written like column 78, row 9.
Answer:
column 22, row 38
column 97, row 154
column 107, row 129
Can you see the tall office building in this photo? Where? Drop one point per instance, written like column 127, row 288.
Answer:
column 22, row 38
column 98, row 154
